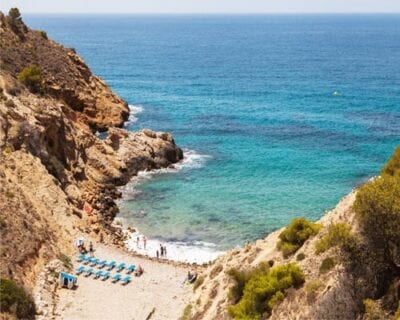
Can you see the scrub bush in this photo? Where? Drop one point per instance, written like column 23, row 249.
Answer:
column 32, row 78
column 339, row 234
column 263, row 289
column 295, row 234
column 327, row 264
column 12, row 294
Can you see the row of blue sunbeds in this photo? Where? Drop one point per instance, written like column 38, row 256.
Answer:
column 95, row 262
column 104, row 275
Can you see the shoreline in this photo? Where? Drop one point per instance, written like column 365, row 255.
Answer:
column 178, row 251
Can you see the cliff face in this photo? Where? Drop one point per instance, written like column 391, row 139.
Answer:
column 65, row 75
column 52, row 163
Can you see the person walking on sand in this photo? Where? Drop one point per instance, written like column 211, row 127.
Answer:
column 144, row 242
column 91, row 249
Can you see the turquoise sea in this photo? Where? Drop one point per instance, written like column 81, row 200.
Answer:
column 280, row 115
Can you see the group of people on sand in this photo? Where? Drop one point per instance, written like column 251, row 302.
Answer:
column 82, row 249
column 144, row 241
column 162, row 252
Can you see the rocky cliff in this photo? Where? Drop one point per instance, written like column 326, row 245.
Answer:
column 57, row 177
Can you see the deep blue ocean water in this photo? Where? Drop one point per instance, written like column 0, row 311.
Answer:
column 283, row 114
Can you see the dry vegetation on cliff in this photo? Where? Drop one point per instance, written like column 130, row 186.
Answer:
column 51, row 161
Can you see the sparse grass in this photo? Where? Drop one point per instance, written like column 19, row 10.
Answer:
column 199, row 281
column 9, row 194
column 65, row 260
column 312, row 288
column 295, row 234
column 327, row 264
column 187, row 313
column 373, row 311
column 216, row 270
column 7, row 150
column 338, row 234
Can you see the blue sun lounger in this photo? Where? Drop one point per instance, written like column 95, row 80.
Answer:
column 111, row 265
column 87, row 260
column 131, row 268
column 106, row 275
column 102, row 264
column 80, row 258
column 94, row 262
column 116, row 278
column 89, row 272
column 80, row 270
column 121, row 266
column 126, row 280
column 98, row 274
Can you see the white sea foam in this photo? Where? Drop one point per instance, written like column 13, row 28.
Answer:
column 191, row 160
column 134, row 111
column 197, row 251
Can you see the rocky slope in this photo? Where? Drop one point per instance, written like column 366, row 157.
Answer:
column 53, row 165
column 334, row 299
column 337, row 292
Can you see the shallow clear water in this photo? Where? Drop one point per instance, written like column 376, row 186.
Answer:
column 288, row 113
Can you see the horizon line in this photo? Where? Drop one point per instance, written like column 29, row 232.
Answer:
column 213, row 13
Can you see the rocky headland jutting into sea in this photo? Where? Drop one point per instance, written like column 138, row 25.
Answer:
column 58, row 181
column 52, row 161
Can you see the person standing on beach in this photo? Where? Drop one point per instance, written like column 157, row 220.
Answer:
column 91, row 249
column 161, row 250
column 158, row 254
column 165, row 251
column 144, row 242
column 137, row 242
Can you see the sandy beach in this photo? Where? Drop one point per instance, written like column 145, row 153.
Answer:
column 160, row 288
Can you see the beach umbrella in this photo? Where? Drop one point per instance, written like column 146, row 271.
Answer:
column 80, row 241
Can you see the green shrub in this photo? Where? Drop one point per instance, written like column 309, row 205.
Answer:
column 15, row 15
column 43, row 34
column 373, row 311
column 377, row 209
column 236, row 291
column 339, row 234
column 300, row 256
column 264, row 289
column 32, row 78
column 65, row 260
column 199, row 281
column 327, row 264
column 11, row 294
column 392, row 167
column 295, row 234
